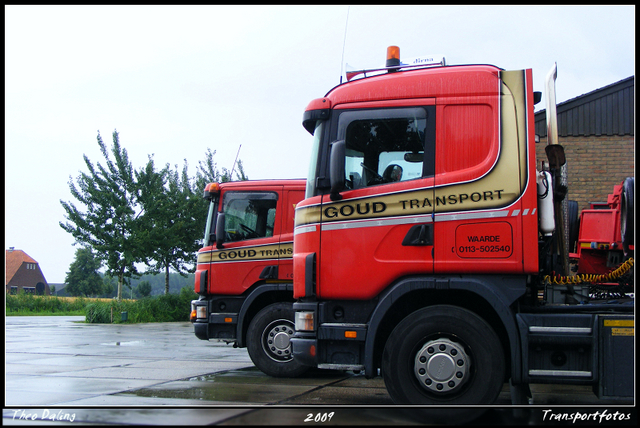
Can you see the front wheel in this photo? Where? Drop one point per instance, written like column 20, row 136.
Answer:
column 269, row 341
column 444, row 355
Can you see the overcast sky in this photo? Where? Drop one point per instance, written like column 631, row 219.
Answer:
column 176, row 80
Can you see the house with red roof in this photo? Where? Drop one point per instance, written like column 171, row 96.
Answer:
column 23, row 273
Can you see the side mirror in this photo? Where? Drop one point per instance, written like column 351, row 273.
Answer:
column 336, row 169
column 219, row 230
column 537, row 97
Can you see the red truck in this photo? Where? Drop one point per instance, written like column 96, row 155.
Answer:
column 244, row 274
column 429, row 247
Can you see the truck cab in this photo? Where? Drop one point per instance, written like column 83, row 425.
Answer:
column 427, row 237
column 244, row 274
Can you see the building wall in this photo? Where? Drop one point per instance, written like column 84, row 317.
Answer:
column 597, row 132
column 594, row 164
column 28, row 277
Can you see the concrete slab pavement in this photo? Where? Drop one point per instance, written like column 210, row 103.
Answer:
column 59, row 368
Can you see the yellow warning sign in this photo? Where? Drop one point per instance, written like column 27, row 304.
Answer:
column 618, row 323
column 622, row 331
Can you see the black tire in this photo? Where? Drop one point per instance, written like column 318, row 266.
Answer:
column 464, row 348
column 626, row 212
column 268, row 341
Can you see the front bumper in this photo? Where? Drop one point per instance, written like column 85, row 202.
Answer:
column 304, row 349
column 201, row 330
column 211, row 325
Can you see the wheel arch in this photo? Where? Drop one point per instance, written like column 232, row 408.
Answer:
column 260, row 297
column 490, row 297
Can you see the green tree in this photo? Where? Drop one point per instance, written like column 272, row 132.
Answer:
column 172, row 210
column 109, row 285
column 176, row 218
column 149, row 216
column 110, row 223
column 144, row 289
column 83, row 278
column 208, row 172
column 240, row 174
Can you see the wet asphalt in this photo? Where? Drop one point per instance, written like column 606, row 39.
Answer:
column 61, row 370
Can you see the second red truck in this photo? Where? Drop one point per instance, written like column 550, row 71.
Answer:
column 244, row 271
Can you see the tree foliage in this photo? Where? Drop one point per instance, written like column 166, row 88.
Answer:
column 152, row 217
column 144, row 289
column 110, row 225
column 83, row 278
column 208, row 171
column 174, row 212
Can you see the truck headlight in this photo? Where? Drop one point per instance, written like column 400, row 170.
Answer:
column 201, row 311
column 304, row 321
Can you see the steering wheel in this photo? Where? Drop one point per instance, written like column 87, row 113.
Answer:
column 377, row 179
column 250, row 232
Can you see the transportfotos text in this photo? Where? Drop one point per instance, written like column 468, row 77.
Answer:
column 549, row 415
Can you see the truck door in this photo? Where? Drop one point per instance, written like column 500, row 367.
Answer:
column 250, row 249
column 381, row 228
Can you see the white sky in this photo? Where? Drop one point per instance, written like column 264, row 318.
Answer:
column 176, row 80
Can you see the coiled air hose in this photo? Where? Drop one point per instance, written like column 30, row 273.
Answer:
column 591, row 278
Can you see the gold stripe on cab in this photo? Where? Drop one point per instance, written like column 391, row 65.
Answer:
column 259, row 252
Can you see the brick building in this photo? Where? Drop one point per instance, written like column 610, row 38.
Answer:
column 23, row 273
column 597, row 132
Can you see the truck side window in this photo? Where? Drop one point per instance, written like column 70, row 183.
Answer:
column 384, row 146
column 249, row 215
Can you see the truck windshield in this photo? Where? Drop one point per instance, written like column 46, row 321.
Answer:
column 249, row 215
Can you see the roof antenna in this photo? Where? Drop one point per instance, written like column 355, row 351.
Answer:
column 234, row 163
column 344, row 43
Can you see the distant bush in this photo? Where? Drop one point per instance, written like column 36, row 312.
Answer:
column 98, row 312
column 163, row 308
column 30, row 304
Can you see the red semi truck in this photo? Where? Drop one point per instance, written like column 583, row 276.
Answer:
column 429, row 248
column 244, row 271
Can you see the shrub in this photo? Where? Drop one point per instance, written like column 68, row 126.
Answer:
column 24, row 303
column 98, row 312
column 163, row 308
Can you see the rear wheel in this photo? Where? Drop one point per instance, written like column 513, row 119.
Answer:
column 444, row 355
column 269, row 341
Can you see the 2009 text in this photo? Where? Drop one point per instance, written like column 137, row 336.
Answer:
column 319, row 417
